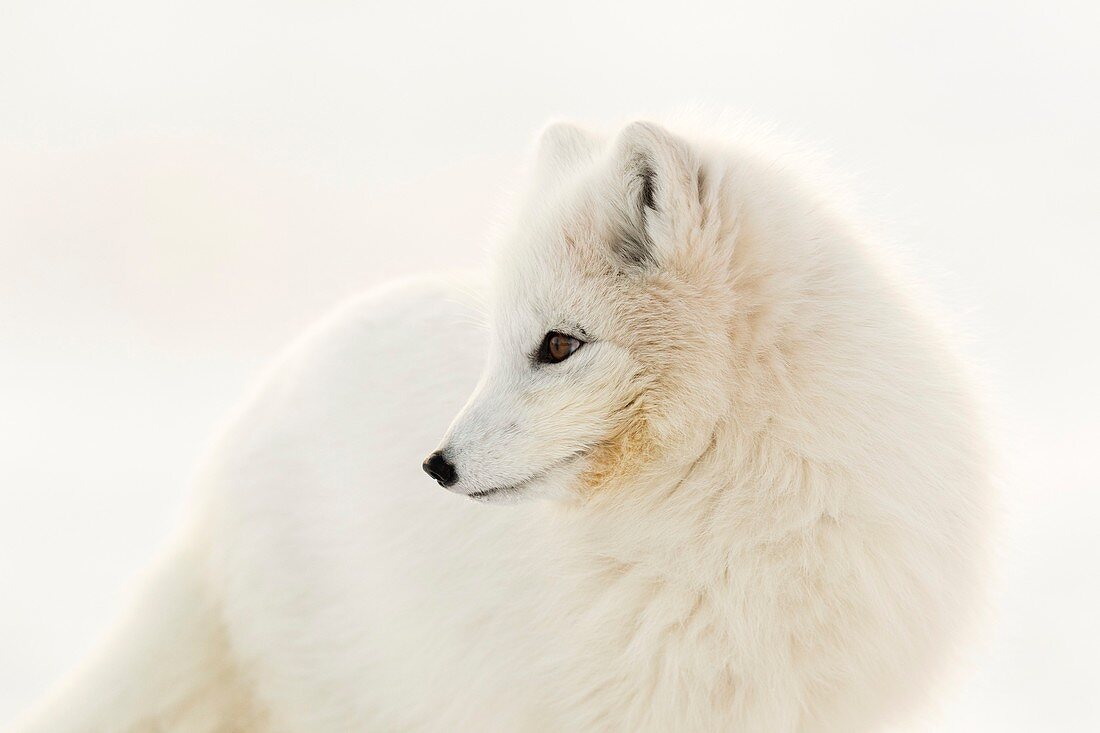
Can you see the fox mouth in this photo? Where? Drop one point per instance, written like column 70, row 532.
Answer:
column 533, row 478
column 497, row 490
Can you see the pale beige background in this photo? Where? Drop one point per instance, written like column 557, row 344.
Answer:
column 183, row 186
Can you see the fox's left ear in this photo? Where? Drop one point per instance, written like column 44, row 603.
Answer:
column 661, row 206
column 562, row 149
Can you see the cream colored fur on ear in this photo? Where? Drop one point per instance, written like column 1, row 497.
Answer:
column 755, row 499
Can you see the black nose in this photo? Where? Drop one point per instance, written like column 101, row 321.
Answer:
column 440, row 469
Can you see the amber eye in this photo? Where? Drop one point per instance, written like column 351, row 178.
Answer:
column 557, row 347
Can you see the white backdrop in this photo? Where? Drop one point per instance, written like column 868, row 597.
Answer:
column 184, row 186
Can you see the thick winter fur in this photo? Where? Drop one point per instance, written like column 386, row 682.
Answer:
column 754, row 500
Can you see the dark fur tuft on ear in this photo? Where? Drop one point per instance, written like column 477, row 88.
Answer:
column 647, row 176
column 636, row 246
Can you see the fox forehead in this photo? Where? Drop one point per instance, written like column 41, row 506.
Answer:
column 554, row 276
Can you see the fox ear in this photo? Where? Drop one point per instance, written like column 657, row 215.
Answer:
column 562, row 148
column 659, row 181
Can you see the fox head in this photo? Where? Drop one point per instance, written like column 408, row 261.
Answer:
column 609, row 348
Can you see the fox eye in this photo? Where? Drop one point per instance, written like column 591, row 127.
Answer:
column 557, row 347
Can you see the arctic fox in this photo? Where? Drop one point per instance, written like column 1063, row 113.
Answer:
column 739, row 477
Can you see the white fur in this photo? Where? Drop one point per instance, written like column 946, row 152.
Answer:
column 757, row 496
